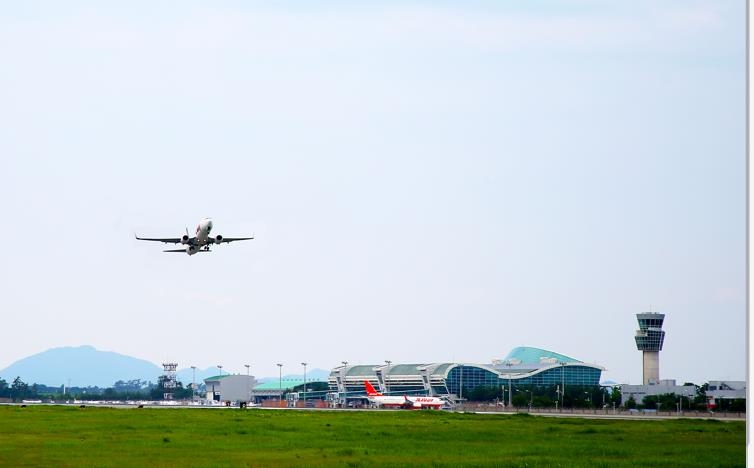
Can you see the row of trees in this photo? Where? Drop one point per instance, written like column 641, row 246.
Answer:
column 671, row 402
column 137, row 389
column 18, row 390
column 576, row 396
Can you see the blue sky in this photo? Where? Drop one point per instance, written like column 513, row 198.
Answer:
column 427, row 181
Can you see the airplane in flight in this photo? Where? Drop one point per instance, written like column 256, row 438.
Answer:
column 407, row 402
column 199, row 243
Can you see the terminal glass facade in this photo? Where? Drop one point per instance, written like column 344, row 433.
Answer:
column 471, row 377
column 571, row 375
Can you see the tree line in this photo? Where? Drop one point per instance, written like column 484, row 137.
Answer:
column 546, row 396
column 586, row 397
column 137, row 389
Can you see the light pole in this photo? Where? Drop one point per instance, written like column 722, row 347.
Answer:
column 508, row 363
column 343, row 379
column 460, row 383
column 304, row 364
column 280, row 380
column 562, row 377
column 220, row 369
column 510, row 391
column 193, row 383
column 248, row 396
column 387, row 382
column 557, row 397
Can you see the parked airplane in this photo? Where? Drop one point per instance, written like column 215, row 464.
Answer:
column 407, row 402
column 199, row 243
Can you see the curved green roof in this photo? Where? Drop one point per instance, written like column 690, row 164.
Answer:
column 527, row 355
column 216, row 377
column 364, row 370
column 442, row 369
column 445, row 368
column 403, row 369
column 285, row 384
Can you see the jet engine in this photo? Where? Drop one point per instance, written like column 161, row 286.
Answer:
column 218, row 239
column 185, row 239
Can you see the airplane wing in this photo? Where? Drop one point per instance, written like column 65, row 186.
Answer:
column 167, row 240
column 231, row 239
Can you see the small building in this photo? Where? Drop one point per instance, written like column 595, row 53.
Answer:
column 638, row 392
column 726, row 389
column 243, row 388
column 235, row 388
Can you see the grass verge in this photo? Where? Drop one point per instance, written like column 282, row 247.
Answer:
column 73, row 436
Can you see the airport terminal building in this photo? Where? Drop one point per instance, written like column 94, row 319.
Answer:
column 522, row 366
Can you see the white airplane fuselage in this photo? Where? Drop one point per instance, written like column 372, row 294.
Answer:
column 203, row 230
column 201, row 237
column 387, row 401
column 394, row 401
column 406, row 401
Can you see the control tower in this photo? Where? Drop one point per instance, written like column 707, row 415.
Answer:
column 649, row 338
column 169, row 382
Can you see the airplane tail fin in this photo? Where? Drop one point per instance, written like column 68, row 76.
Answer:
column 370, row 389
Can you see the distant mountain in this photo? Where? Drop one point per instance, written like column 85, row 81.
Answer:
column 85, row 366
column 80, row 367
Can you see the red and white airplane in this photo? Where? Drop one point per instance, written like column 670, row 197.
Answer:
column 407, row 402
column 199, row 243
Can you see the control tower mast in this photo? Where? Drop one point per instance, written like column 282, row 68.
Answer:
column 649, row 338
column 169, row 381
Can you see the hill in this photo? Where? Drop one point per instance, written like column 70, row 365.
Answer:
column 80, row 366
column 84, row 366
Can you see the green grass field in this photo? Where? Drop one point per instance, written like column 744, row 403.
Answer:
column 73, row 436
